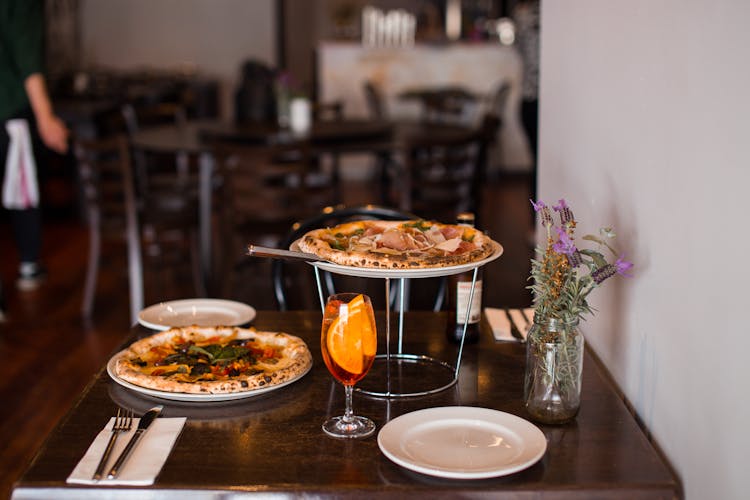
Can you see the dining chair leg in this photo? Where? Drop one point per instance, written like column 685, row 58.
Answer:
column 206, row 163
column 92, row 268
column 199, row 282
column 132, row 233
column 135, row 277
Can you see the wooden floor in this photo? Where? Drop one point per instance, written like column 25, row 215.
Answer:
column 48, row 353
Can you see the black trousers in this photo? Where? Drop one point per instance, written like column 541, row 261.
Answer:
column 27, row 223
column 530, row 119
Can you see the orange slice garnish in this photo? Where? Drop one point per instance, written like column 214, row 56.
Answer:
column 360, row 319
column 351, row 337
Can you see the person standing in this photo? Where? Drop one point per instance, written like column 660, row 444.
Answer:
column 26, row 116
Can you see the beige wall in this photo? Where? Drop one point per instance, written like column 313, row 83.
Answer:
column 214, row 36
column 644, row 126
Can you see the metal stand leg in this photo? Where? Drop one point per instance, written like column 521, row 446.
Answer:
column 466, row 321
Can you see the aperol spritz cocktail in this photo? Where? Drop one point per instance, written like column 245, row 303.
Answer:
column 349, row 341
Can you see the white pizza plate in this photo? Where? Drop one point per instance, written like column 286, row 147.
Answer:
column 462, row 442
column 194, row 398
column 430, row 272
column 200, row 312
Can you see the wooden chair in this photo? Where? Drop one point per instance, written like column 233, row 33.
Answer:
column 447, row 105
column 385, row 166
column 298, row 277
column 105, row 173
column 265, row 189
column 444, row 177
column 375, row 101
column 167, row 188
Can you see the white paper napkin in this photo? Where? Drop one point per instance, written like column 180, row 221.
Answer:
column 144, row 463
column 499, row 323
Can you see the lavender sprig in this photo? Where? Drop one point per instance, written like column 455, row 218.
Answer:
column 564, row 274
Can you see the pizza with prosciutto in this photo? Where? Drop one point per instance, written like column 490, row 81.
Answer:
column 412, row 244
column 213, row 360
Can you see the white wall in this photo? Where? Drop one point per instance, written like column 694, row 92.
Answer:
column 214, row 36
column 644, row 125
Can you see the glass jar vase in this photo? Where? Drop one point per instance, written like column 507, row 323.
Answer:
column 554, row 363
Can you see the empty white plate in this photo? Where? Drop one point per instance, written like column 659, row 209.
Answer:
column 462, row 442
column 201, row 312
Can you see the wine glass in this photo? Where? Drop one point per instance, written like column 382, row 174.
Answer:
column 348, row 340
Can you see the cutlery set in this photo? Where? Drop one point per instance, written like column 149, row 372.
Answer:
column 123, row 423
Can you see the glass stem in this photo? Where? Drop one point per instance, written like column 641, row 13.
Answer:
column 348, row 413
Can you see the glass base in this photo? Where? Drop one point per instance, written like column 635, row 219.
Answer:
column 357, row 427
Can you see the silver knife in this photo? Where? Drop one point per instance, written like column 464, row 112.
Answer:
column 143, row 425
column 514, row 330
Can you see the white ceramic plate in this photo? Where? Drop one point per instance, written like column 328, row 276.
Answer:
column 195, row 398
column 461, row 442
column 200, row 312
column 371, row 272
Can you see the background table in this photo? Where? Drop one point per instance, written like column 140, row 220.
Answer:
column 382, row 139
column 273, row 444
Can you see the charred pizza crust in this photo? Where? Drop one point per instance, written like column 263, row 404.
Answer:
column 251, row 360
column 412, row 244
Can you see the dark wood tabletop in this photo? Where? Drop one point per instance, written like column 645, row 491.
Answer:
column 334, row 136
column 273, row 443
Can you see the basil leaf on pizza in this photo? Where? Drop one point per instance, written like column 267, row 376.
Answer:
column 411, row 244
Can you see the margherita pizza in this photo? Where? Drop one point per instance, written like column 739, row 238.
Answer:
column 206, row 360
column 413, row 244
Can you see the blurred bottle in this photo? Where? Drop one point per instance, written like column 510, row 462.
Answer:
column 459, row 290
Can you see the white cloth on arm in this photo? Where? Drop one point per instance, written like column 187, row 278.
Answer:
column 20, row 188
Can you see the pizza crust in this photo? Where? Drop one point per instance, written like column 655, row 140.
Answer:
column 332, row 245
column 295, row 360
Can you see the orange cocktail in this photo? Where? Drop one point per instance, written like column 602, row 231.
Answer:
column 348, row 341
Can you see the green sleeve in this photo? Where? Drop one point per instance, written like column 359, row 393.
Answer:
column 26, row 36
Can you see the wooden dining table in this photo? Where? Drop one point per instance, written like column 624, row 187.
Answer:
column 272, row 445
column 440, row 103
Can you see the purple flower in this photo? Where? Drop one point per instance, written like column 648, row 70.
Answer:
column 622, row 266
column 546, row 217
column 539, row 205
column 561, row 205
column 574, row 259
column 544, row 214
column 564, row 243
column 566, row 215
column 604, row 272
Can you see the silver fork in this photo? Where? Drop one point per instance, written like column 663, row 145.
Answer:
column 123, row 423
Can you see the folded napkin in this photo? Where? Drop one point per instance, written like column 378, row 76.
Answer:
column 144, row 463
column 500, row 322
